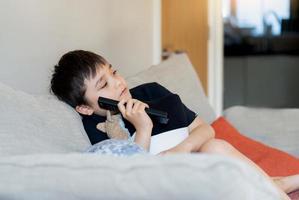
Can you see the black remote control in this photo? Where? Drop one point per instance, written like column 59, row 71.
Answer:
column 110, row 104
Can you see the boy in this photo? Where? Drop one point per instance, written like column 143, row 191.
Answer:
column 81, row 77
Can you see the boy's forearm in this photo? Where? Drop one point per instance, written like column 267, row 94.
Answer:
column 143, row 138
column 197, row 137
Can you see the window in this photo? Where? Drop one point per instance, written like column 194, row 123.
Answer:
column 259, row 13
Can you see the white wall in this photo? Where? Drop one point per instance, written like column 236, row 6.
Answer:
column 34, row 34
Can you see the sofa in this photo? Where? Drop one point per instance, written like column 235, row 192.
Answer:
column 43, row 140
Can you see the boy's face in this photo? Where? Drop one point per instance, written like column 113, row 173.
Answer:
column 106, row 83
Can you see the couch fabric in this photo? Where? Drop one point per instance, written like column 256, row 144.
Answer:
column 40, row 138
column 81, row 176
column 273, row 161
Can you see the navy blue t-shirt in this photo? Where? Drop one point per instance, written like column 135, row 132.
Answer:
column 157, row 97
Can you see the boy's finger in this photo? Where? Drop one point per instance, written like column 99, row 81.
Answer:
column 121, row 107
column 136, row 106
column 129, row 106
column 146, row 105
column 142, row 107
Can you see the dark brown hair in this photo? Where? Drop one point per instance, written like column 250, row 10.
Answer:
column 73, row 68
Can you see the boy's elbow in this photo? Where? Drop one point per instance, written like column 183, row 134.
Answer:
column 200, row 124
column 212, row 132
column 209, row 132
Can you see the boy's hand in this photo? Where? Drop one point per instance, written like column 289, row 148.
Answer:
column 134, row 112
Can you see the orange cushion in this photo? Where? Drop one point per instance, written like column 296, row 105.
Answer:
column 273, row 161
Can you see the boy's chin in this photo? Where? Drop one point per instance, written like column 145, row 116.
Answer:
column 125, row 97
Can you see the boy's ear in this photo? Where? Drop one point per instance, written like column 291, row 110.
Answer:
column 84, row 109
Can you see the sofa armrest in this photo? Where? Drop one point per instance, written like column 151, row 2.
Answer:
column 278, row 128
column 91, row 176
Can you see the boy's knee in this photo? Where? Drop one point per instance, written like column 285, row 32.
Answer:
column 216, row 146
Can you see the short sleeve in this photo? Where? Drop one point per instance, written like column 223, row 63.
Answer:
column 178, row 114
column 190, row 115
column 149, row 91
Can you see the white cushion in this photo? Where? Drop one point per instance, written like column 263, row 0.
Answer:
column 38, row 124
column 79, row 176
column 177, row 74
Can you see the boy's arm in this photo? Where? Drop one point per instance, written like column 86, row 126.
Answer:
column 143, row 138
column 199, row 133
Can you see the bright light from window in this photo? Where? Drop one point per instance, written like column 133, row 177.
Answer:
column 251, row 13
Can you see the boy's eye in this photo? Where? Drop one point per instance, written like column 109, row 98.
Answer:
column 104, row 85
column 114, row 72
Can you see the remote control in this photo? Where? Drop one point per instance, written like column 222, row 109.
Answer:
column 109, row 104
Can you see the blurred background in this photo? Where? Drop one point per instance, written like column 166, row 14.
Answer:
column 261, row 53
column 245, row 52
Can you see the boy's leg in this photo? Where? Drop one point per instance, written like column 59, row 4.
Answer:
column 224, row 148
column 288, row 183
